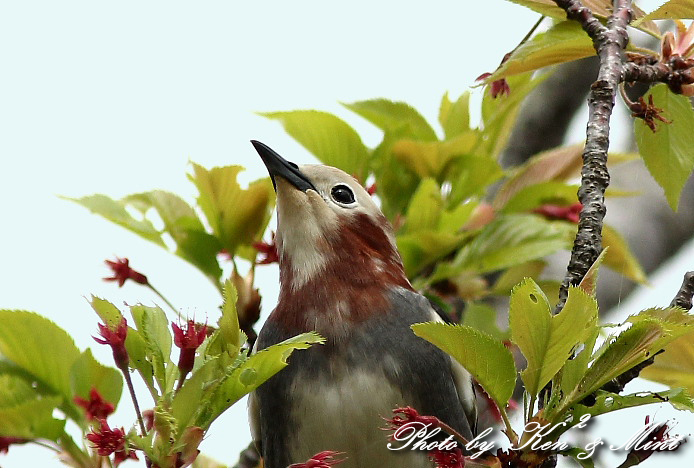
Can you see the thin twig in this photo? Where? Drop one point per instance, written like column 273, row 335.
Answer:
column 609, row 42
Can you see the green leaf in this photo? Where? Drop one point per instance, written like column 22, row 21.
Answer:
column 499, row 114
column 667, row 152
column 607, row 402
column 575, row 369
column 534, row 196
column 39, row 347
column 487, row 359
column 672, row 9
column 553, row 165
column 139, row 359
column 471, row 176
column 228, row 338
column 193, row 242
column 107, row 312
column 575, row 452
column 590, row 280
column 510, row 240
column 600, row 8
column 431, row 158
column 452, row 220
column 237, row 216
column 254, row 371
column 618, row 256
column 115, row 212
column 425, row 247
column 454, row 117
column 563, row 42
column 328, row 138
column 425, row 207
column 545, row 340
column 483, row 317
column 396, row 183
column 390, row 116
column 25, row 413
column 153, row 327
column 651, row 331
column 88, row 373
column 674, row 367
column 514, row 275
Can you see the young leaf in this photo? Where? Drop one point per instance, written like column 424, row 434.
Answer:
column 667, row 151
column 39, row 347
column 553, row 165
column 237, row 216
column 674, row 367
column 391, row 116
column 600, row 8
column 533, row 196
column 589, row 282
column 425, row 207
column 487, row 359
column 510, row 240
column 26, row 414
column 88, row 373
column 607, row 402
column 471, row 176
column 106, row 311
column 499, row 114
column 115, row 212
column 545, row 340
column 514, row 275
column 454, row 117
column 425, row 247
column 651, row 331
column 253, row 372
column 193, row 242
column 564, row 42
column 483, row 317
column 328, row 138
column 153, row 327
column 672, row 9
column 618, row 256
column 230, row 335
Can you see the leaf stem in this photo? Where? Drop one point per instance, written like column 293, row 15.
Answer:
column 510, row 433
column 131, row 389
column 156, row 291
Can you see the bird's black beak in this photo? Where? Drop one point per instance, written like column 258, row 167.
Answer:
column 278, row 166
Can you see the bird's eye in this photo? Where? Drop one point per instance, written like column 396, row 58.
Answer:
column 342, row 194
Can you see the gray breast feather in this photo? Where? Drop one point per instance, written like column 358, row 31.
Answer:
column 381, row 365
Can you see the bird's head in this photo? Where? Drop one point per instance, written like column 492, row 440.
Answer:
column 329, row 230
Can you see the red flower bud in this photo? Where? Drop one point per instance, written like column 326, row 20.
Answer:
column 188, row 340
column 107, row 440
column 115, row 338
column 5, row 443
column 447, row 458
column 320, row 460
column 96, row 407
column 122, row 272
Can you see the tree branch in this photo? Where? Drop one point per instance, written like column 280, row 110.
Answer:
column 609, row 42
column 683, row 298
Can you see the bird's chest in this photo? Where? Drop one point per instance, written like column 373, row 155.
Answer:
column 342, row 408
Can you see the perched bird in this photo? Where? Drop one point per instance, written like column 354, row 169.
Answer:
column 341, row 275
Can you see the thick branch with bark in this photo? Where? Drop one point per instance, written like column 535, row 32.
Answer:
column 683, row 298
column 609, row 42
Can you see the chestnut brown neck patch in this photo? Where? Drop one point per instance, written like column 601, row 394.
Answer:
column 361, row 266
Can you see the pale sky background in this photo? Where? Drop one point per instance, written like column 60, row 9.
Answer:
column 110, row 98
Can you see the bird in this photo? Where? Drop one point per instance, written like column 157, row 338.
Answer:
column 342, row 276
